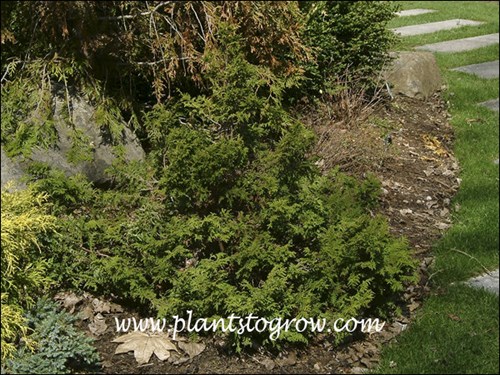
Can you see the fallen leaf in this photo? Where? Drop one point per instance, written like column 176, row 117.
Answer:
column 470, row 121
column 98, row 325
column 367, row 362
column 115, row 308
column 358, row 370
column 444, row 212
column 448, row 173
column 434, row 144
column 430, row 204
column 191, row 348
column 454, row 317
column 69, row 300
column 144, row 345
column 426, row 158
column 442, row 226
column 107, row 364
column 413, row 306
column 101, row 306
column 87, row 313
column 177, row 359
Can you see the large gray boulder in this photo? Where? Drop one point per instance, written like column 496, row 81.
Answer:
column 11, row 172
column 95, row 151
column 414, row 74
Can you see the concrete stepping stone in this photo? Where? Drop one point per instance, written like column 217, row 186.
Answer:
column 427, row 28
column 488, row 281
column 491, row 104
column 484, row 70
column 414, row 12
column 461, row 45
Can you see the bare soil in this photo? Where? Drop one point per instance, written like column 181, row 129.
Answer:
column 407, row 144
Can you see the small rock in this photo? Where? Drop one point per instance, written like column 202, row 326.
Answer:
column 317, row 367
column 268, row 363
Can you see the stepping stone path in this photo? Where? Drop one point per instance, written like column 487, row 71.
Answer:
column 461, row 45
column 487, row 281
column 485, row 70
column 414, row 12
column 427, row 28
column 491, row 104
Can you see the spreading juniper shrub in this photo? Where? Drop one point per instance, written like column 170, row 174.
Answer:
column 229, row 216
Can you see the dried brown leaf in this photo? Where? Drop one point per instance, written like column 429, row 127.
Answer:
column 100, row 306
column 144, row 345
column 69, row 300
column 454, row 317
column 98, row 325
column 192, row 348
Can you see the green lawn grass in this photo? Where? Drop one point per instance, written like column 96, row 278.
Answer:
column 455, row 333
column 436, row 343
column 447, row 10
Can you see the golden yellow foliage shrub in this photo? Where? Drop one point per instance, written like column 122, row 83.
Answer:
column 25, row 220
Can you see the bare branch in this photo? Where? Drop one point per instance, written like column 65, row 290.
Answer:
column 199, row 23
column 131, row 16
